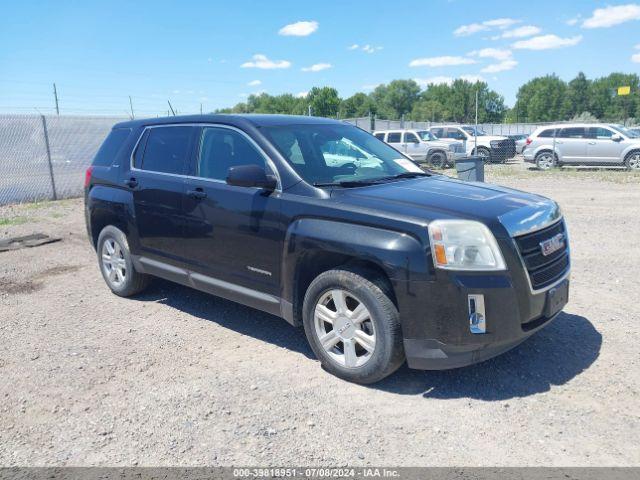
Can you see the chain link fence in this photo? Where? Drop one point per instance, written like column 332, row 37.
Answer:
column 45, row 157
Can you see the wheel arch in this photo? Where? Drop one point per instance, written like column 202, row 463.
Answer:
column 314, row 246
column 108, row 206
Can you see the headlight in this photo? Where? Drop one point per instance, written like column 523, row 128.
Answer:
column 464, row 245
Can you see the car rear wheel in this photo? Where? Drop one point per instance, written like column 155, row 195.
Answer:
column 545, row 161
column 352, row 325
column 632, row 161
column 116, row 265
column 438, row 160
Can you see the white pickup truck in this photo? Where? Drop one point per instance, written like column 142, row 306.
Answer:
column 422, row 146
column 493, row 148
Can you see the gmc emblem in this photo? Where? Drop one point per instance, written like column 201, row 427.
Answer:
column 552, row 245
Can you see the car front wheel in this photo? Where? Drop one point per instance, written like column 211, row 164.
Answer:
column 353, row 325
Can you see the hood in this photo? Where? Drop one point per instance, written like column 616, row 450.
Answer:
column 489, row 138
column 440, row 143
column 503, row 210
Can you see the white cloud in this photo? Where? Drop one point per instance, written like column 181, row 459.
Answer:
column 261, row 61
column 317, row 67
column 254, row 83
column 299, row 29
column 573, row 20
column 370, row 86
column 521, row 32
column 637, row 46
column 547, row 42
column 497, row 53
column 612, row 15
column 635, row 58
column 445, row 61
column 365, row 48
column 502, row 66
column 442, row 79
column 302, row 94
column 499, row 23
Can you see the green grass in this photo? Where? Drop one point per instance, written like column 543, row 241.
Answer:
column 8, row 222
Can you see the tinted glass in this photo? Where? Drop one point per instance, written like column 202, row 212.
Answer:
column 380, row 136
column 336, row 153
column 222, row 148
column 438, row 132
column 547, row 133
column 393, row 137
column 410, row 138
column 139, row 152
column 167, row 149
column 572, row 132
column 111, row 147
column 454, row 133
column 600, row 133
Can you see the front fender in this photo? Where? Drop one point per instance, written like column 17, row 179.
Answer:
column 401, row 256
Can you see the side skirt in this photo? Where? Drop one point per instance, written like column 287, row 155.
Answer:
column 231, row 291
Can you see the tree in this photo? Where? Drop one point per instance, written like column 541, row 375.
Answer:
column 358, row 105
column 578, row 95
column 396, row 99
column 324, row 101
column 458, row 101
column 607, row 105
column 543, row 99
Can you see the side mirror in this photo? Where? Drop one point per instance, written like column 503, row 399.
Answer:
column 616, row 137
column 251, row 176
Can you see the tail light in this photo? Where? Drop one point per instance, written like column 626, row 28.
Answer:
column 87, row 177
column 528, row 141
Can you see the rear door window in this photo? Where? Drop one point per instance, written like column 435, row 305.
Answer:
column 111, row 147
column 393, row 137
column 572, row 132
column 379, row 136
column 167, row 149
column 547, row 133
column 438, row 132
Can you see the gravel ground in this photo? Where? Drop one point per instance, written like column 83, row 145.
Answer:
column 177, row 377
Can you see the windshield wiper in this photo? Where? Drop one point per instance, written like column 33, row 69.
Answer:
column 345, row 183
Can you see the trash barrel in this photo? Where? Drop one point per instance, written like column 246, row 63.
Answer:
column 470, row 169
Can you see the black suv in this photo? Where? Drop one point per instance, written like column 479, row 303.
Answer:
column 324, row 225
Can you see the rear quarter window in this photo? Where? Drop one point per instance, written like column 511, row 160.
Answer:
column 111, row 147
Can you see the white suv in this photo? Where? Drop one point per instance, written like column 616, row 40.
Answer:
column 593, row 144
column 492, row 148
column 422, row 146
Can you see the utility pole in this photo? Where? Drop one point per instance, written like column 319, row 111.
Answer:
column 476, row 132
column 172, row 110
column 309, row 110
column 131, row 105
column 55, row 95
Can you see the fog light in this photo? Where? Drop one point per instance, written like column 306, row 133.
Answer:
column 477, row 322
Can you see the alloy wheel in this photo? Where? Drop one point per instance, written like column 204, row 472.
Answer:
column 344, row 328
column 545, row 161
column 634, row 162
column 113, row 262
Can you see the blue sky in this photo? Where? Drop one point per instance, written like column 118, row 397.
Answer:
column 216, row 52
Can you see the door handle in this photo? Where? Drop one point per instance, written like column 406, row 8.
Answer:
column 131, row 182
column 592, row 143
column 198, row 193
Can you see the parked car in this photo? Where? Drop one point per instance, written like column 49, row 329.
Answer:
column 635, row 130
column 422, row 146
column 492, row 148
column 520, row 140
column 593, row 144
column 379, row 263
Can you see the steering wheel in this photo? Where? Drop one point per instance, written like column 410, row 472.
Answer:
column 349, row 167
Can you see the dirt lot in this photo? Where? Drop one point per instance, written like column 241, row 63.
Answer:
column 177, row 377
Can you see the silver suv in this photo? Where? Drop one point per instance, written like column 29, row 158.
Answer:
column 594, row 144
column 422, row 146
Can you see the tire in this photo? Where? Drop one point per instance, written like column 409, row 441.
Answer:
column 366, row 343
column 546, row 160
column 438, row 160
column 116, row 266
column 483, row 152
column 632, row 162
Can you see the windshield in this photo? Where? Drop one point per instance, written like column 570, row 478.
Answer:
column 426, row 135
column 625, row 131
column 474, row 132
column 325, row 154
